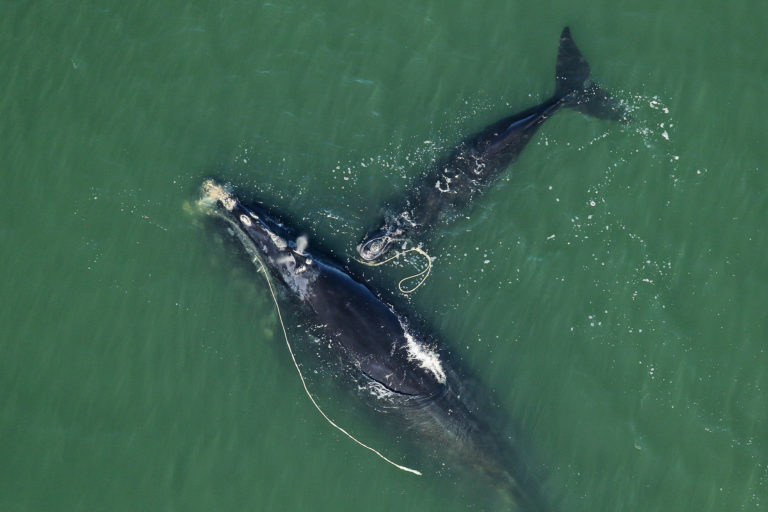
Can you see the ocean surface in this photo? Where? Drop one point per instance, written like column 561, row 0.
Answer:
column 610, row 292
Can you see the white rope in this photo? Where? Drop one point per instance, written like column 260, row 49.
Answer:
column 424, row 273
column 304, row 383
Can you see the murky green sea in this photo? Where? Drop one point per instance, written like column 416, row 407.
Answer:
column 610, row 293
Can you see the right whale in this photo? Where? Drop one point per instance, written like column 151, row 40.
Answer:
column 396, row 367
column 477, row 161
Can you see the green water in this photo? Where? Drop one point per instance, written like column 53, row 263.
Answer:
column 611, row 292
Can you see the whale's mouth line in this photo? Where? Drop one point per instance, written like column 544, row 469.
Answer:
column 412, row 399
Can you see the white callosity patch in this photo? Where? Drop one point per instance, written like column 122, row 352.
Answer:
column 298, row 279
column 304, row 267
column 284, row 263
column 213, row 192
column 286, row 259
column 424, row 356
column 279, row 242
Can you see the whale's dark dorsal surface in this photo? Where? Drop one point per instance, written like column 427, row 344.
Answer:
column 407, row 376
column 365, row 330
column 477, row 161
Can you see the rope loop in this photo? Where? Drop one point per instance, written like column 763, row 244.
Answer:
column 423, row 273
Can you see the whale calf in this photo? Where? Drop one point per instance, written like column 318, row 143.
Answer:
column 406, row 375
column 476, row 162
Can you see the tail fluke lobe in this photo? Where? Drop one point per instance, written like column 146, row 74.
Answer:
column 575, row 88
column 572, row 70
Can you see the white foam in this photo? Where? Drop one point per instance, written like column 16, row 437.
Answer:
column 377, row 390
column 301, row 244
column 424, row 357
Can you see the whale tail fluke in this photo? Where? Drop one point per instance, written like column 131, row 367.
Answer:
column 575, row 87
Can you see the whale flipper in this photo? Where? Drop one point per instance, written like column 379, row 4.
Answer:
column 575, row 88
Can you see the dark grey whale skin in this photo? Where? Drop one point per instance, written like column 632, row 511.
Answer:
column 373, row 340
column 477, row 162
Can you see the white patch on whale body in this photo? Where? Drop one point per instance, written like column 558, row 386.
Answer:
column 294, row 274
column 279, row 242
column 424, row 356
column 299, row 282
column 285, row 259
column 245, row 220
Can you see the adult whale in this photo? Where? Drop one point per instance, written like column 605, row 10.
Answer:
column 477, row 161
column 403, row 374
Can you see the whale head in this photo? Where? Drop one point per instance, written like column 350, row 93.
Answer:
column 376, row 245
column 260, row 234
